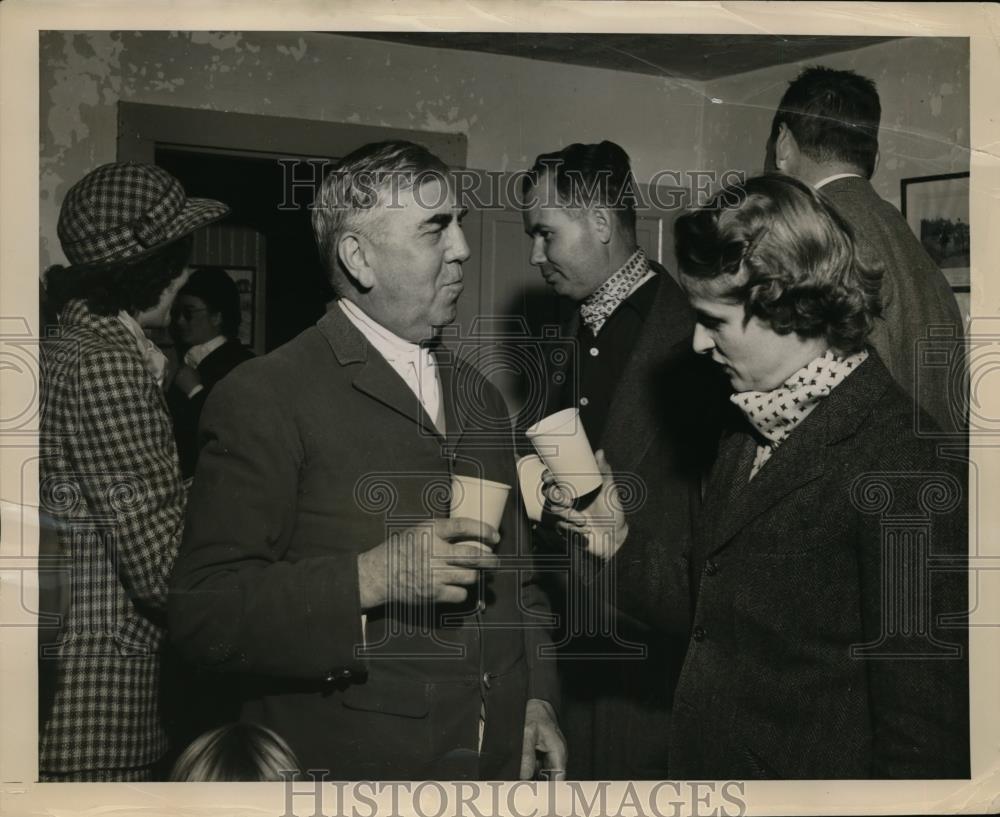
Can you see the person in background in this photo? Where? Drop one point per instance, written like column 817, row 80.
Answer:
column 206, row 322
column 825, row 133
column 643, row 397
column 236, row 752
column 827, row 637
column 110, row 475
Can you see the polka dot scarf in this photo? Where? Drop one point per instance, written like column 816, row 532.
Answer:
column 776, row 413
column 604, row 300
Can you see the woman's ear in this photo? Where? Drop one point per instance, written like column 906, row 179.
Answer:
column 353, row 252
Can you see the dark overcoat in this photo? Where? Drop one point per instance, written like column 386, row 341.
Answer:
column 186, row 411
column 310, row 455
column 827, row 634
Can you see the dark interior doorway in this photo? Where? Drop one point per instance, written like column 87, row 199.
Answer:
column 258, row 195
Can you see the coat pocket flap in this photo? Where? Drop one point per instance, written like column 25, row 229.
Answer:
column 407, row 699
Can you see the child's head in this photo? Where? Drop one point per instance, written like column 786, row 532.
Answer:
column 235, row 752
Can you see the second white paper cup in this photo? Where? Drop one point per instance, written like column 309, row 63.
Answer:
column 529, row 476
column 562, row 443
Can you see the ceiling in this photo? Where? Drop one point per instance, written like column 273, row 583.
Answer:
column 683, row 56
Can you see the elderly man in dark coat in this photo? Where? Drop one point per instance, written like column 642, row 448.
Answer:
column 380, row 638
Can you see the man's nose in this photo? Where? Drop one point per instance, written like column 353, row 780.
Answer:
column 459, row 249
column 537, row 257
column 702, row 342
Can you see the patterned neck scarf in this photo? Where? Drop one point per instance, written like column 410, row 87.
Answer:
column 152, row 358
column 598, row 306
column 775, row 414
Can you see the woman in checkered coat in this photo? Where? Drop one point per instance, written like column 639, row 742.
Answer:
column 109, row 474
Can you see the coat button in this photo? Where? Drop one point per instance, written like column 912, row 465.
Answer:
column 584, row 401
column 711, row 568
column 338, row 675
column 594, row 351
column 698, row 633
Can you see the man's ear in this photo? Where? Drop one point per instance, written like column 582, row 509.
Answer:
column 601, row 220
column 786, row 150
column 353, row 251
column 215, row 318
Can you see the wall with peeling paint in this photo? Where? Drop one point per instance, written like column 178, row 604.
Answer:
column 923, row 85
column 511, row 109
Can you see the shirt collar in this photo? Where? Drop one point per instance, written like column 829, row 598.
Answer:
column 834, row 178
column 196, row 354
column 597, row 307
column 386, row 343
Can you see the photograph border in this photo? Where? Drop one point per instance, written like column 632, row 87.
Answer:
column 19, row 24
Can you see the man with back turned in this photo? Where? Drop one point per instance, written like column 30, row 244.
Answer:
column 825, row 133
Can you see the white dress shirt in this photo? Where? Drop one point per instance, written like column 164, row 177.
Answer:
column 411, row 361
column 196, row 354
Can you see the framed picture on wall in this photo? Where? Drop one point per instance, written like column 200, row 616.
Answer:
column 937, row 210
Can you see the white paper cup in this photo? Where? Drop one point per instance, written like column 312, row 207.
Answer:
column 480, row 499
column 529, row 476
column 562, row 443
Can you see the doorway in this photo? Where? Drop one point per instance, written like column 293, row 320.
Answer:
column 295, row 288
column 243, row 159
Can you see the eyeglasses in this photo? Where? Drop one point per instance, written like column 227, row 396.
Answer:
column 188, row 312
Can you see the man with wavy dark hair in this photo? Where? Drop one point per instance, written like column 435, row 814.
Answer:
column 825, row 133
column 637, row 386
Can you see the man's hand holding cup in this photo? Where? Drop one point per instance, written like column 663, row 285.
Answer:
column 601, row 523
column 431, row 563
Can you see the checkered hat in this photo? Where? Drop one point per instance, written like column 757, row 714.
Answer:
column 123, row 211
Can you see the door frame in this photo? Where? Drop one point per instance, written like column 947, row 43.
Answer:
column 143, row 127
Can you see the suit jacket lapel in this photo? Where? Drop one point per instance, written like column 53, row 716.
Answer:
column 375, row 377
column 454, row 421
column 802, row 458
column 798, row 461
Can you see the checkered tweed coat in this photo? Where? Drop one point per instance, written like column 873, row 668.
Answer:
column 110, row 477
